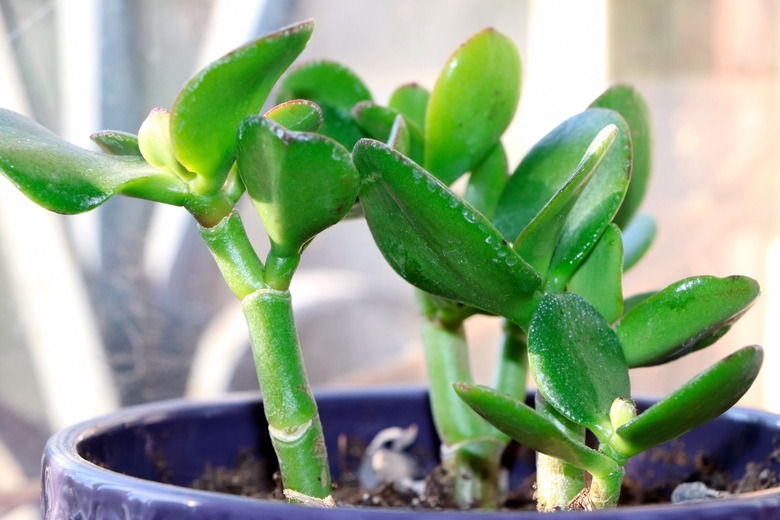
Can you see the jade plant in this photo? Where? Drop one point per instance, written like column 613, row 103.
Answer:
column 543, row 249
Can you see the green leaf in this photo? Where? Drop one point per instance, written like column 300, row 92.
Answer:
column 208, row 110
column 628, row 103
column 528, row 427
column 487, row 181
column 154, row 141
column 471, row 105
column 599, row 279
column 62, row 177
column 684, row 317
column 301, row 183
column 635, row 299
column 592, row 213
column 638, row 236
column 400, row 138
column 298, row 115
column 336, row 89
column 697, row 402
column 549, row 164
column 412, row 101
column 537, row 242
column 377, row 121
column 576, row 361
column 115, row 142
column 438, row 242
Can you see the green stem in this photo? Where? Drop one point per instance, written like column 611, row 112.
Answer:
column 557, row 482
column 289, row 406
column 512, row 368
column 471, row 448
column 234, row 254
column 279, row 270
column 605, row 492
column 210, row 209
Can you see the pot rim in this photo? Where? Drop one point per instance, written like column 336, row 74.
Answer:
column 62, row 447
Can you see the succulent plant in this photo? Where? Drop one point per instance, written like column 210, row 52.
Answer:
column 544, row 248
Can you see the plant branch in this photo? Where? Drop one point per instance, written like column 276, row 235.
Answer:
column 512, row 368
column 234, row 254
column 289, row 406
column 471, row 448
column 557, row 482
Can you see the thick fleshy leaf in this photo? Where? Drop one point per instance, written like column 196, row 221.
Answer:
column 412, row 101
column 537, row 242
column 591, row 215
column 298, row 115
column 301, row 183
column 400, row 139
column 471, row 105
column 377, row 121
column 115, row 142
column 599, row 279
column 208, row 110
column 336, row 89
column 697, row 402
column 487, row 181
column 528, row 427
column 438, row 242
column 626, row 101
column 154, row 141
column 576, row 361
column 635, row 299
column 638, row 236
column 551, row 162
column 684, row 317
column 62, row 177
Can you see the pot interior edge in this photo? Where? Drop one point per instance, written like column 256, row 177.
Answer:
column 158, row 440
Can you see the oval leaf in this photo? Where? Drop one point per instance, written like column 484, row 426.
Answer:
column 537, row 242
column 471, row 105
column 626, row 101
column 400, row 138
column 487, row 181
column 551, row 161
column 599, row 279
column 576, row 361
column 638, row 236
column 115, row 142
column 62, row 177
column 438, row 242
column 300, row 183
column 336, row 89
column 411, row 101
column 528, row 427
column 299, row 115
column 592, row 213
column 377, row 122
column 154, row 141
column 698, row 401
column 208, row 110
column 683, row 318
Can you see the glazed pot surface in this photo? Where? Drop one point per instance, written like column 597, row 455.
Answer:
column 185, row 436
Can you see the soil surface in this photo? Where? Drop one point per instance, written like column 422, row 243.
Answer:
column 252, row 477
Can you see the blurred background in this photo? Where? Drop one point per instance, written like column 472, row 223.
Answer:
column 124, row 305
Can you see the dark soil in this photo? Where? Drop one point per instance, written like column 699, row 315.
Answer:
column 249, row 477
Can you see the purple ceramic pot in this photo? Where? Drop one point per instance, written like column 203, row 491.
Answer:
column 188, row 434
